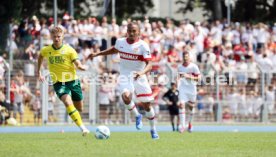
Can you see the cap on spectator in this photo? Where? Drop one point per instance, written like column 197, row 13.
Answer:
column 51, row 20
column 197, row 23
column 74, row 22
column 66, row 17
column 124, row 22
column 228, row 44
column 34, row 18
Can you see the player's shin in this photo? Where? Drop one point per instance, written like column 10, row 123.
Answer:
column 75, row 115
column 182, row 119
column 132, row 108
column 151, row 117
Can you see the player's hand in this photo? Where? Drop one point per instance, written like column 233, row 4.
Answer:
column 184, row 75
column 92, row 55
column 136, row 75
column 169, row 103
column 40, row 77
column 83, row 67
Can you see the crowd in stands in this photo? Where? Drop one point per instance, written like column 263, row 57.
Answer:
column 238, row 51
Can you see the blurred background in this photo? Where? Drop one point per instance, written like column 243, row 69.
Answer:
column 232, row 41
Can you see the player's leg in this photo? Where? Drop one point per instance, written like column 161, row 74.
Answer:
column 172, row 121
column 178, row 122
column 182, row 116
column 129, row 104
column 144, row 95
column 190, row 105
column 77, row 98
column 63, row 91
column 183, row 98
column 127, row 89
column 150, row 114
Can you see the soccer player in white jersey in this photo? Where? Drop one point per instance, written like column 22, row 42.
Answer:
column 134, row 64
column 188, row 76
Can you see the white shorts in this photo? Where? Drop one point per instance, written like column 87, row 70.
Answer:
column 186, row 97
column 139, row 87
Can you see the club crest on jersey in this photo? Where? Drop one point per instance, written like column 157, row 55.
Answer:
column 135, row 50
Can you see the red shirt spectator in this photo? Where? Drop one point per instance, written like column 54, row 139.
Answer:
column 239, row 50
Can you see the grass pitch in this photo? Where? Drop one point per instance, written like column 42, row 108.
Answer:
column 139, row 144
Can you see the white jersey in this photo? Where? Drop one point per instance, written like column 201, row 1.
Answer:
column 132, row 56
column 188, row 86
column 132, row 59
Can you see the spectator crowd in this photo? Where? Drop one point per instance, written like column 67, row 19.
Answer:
column 238, row 51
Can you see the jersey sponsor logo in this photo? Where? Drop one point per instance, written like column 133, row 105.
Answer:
column 129, row 56
column 56, row 60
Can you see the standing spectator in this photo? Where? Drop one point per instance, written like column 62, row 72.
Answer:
column 231, row 99
column 252, row 71
column 36, row 102
column 51, row 102
column 242, row 70
column 171, row 98
column 270, row 99
column 5, row 108
column 242, row 105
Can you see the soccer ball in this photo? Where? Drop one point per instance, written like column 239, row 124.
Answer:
column 102, row 132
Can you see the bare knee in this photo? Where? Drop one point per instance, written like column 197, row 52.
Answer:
column 78, row 105
column 127, row 96
column 146, row 106
column 66, row 99
column 181, row 106
column 190, row 105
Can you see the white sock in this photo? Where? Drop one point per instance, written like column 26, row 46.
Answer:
column 150, row 115
column 132, row 108
column 182, row 117
column 82, row 127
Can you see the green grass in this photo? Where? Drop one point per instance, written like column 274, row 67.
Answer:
column 139, row 144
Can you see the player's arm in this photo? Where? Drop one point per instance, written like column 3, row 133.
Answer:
column 106, row 52
column 166, row 99
column 146, row 70
column 39, row 63
column 79, row 65
column 195, row 77
column 147, row 60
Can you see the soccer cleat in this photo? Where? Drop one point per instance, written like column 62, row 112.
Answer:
column 85, row 132
column 190, row 128
column 154, row 134
column 139, row 123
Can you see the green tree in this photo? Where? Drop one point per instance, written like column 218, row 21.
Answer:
column 243, row 10
column 255, row 10
column 126, row 8
column 9, row 11
column 214, row 6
